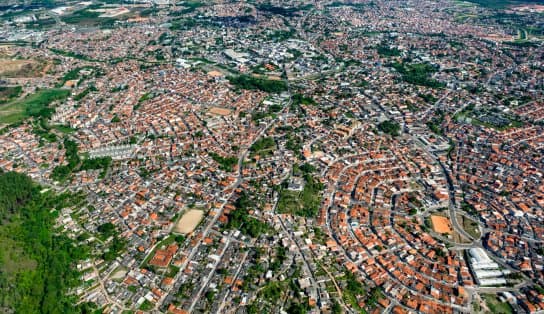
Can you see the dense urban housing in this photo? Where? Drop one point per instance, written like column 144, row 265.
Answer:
column 271, row 156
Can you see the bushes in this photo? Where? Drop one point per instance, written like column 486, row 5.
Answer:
column 62, row 172
column 385, row 51
column 8, row 92
column 225, row 163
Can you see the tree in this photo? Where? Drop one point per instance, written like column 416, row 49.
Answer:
column 253, row 83
column 390, row 127
column 29, row 233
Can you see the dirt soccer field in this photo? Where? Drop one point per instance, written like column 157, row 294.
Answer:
column 189, row 221
column 441, row 224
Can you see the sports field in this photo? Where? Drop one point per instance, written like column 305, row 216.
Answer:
column 189, row 221
column 441, row 224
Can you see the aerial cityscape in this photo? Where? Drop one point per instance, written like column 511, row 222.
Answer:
column 272, row 156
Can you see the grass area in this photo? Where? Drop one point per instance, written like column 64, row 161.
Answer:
column 64, row 129
column 191, row 6
column 471, row 227
column 146, row 306
column 87, row 17
column 496, row 306
column 513, row 124
column 464, row 17
column 41, row 23
column 263, row 147
column 476, row 117
column 35, row 105
column 72, row 54
column 12, row 113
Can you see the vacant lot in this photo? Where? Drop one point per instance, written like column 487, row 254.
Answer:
column 441, row 224
column 189, row 221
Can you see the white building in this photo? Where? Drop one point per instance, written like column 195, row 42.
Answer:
column 486, row 271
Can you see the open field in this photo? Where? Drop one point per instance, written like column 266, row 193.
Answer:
column 18, row 68
column 32, row 105
column 189, row 221
column 441, row 224
column 11, row 113
column 96, row 17
column 119, row 274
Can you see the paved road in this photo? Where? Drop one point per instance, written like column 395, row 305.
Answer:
column 204, row 285
column 219, row 212
column 234, row 278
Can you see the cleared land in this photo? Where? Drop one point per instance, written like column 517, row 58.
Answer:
column 119, row 274
column 189, row 221
column 18, row 68
column 441, row 224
